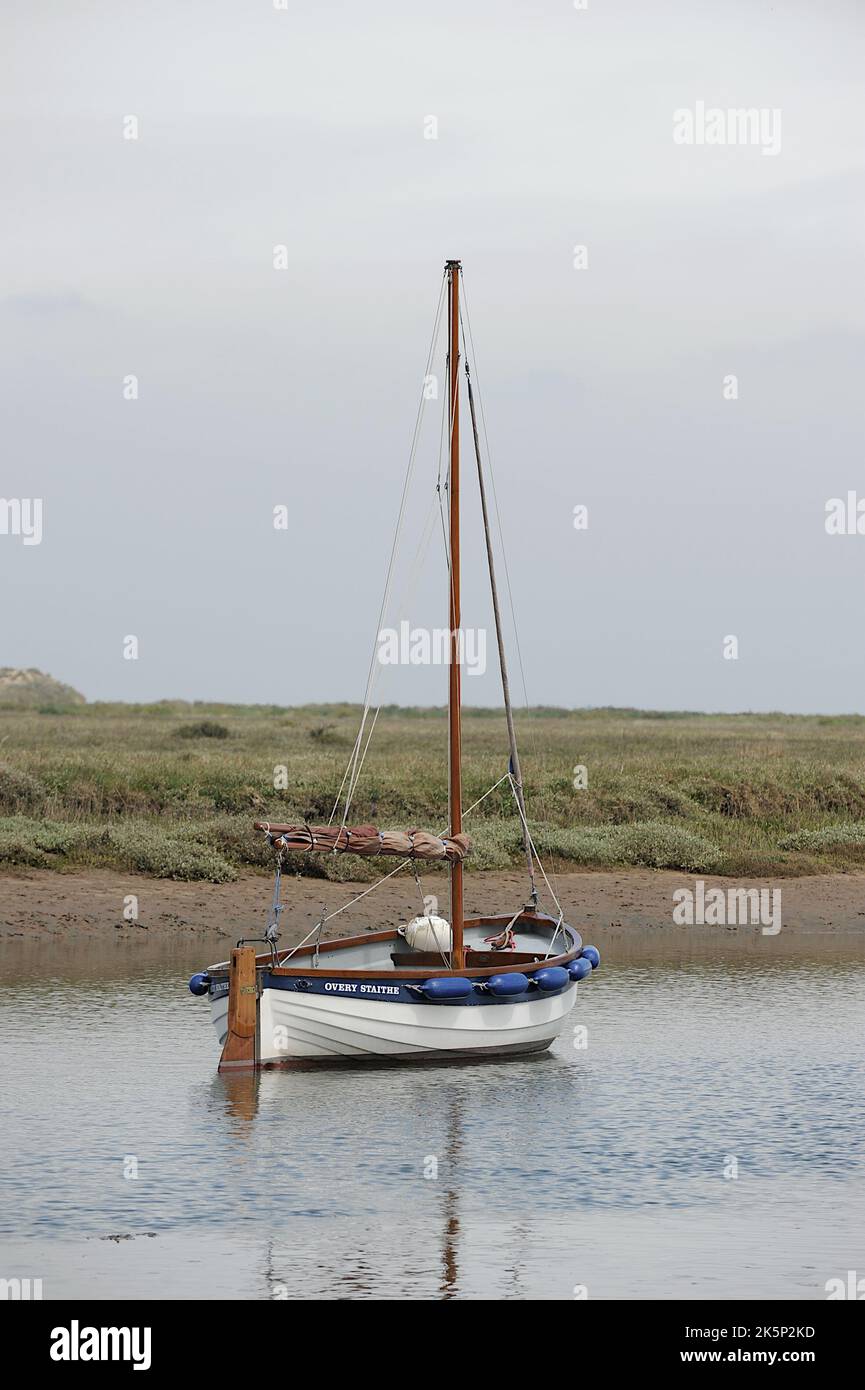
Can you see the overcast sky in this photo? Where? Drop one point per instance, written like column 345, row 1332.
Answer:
column 602, row 386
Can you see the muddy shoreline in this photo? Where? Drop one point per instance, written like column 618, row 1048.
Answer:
column 631, row 909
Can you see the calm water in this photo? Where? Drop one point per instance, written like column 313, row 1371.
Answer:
column 601, row 1166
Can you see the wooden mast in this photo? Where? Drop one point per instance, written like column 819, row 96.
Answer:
column 458, row 956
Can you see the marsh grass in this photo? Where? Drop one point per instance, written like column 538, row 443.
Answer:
column 205, row 728
column 145, row 787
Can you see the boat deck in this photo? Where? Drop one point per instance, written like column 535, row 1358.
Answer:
column 536, row 938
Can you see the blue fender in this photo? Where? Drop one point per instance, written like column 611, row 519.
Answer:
column 512, row 983
column 593, row 955
column 552, row 977
column 200, row 983
column 447, row 987
column 579, row 969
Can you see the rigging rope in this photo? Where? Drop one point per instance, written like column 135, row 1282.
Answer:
column 530, row 725
column 411, row 584
column 323, row 920
column 528, row 835
column 351, row 772
column 504, row 552
column 401, row 865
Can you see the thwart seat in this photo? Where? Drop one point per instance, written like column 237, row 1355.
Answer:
column 406, row 960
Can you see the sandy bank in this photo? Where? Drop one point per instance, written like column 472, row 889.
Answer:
column 631, row 908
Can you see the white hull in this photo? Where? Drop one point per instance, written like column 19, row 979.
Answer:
column 293, row 1025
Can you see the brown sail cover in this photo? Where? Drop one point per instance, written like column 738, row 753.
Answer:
column 366, row 840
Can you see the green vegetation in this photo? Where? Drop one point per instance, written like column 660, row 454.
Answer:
column 208, row 728
column 172, row 789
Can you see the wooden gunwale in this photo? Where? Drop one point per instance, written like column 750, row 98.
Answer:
column 263, row 962
column 424, row 974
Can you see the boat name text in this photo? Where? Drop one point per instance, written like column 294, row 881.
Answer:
column 341, row 987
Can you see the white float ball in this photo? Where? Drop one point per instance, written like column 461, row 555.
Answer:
column 429, row 934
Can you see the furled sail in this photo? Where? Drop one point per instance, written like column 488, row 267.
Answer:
column 366, row 840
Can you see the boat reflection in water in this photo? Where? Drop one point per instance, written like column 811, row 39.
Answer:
column 375, row 1180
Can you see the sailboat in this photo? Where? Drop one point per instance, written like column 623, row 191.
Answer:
column 471, row 987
